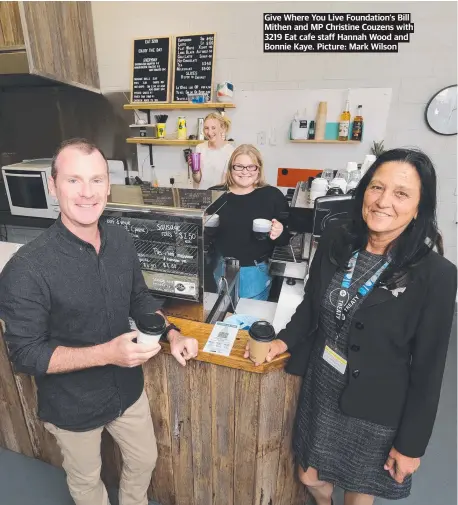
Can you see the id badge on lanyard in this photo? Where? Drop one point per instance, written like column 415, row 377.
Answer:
column 331, row 355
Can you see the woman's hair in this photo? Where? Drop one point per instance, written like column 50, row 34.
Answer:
column 417, row 240
column 224, row 121
column 255, row 156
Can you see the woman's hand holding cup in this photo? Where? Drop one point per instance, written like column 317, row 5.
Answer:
column 277, row 347
column 276, row 230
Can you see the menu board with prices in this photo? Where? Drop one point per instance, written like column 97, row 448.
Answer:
column 151, row 70
column 193, row 66
column 158, row 196
column 194, row 199
column 163, row 246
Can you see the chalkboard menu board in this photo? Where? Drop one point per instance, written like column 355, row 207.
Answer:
column 194, row 198
column 151, row 70
column 193, row 66
column 168, row 253
column 158, row 196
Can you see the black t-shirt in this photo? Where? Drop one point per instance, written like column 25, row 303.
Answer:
column 235, row 236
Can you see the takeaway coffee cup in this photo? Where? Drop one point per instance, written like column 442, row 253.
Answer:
column 261, row 228
column 150, row 328
column 261, row 335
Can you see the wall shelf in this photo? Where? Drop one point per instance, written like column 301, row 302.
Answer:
column 163, row 142
column 177, row 106
column 326, row 141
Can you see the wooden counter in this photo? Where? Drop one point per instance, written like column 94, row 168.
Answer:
column 223, row 427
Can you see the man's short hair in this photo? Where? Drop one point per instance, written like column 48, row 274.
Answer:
column 81, row 144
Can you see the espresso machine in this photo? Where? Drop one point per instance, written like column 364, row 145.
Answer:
column 306, row 221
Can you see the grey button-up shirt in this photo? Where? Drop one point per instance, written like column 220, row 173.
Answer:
column 57, row 291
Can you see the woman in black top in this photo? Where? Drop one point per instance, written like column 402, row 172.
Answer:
column 248, row 197
column 370, row 338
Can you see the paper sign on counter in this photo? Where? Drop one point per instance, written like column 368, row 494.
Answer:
column 221, row 339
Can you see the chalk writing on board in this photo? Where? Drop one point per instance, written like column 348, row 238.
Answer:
column 163, row 246
column 193, row 67
column 150, row 73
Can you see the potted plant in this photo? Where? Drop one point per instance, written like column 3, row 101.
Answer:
column 377, row 148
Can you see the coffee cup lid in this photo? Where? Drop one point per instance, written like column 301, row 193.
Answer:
column 262, row 331
column 151, row 324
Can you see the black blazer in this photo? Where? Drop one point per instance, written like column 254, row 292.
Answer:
column 397, row 346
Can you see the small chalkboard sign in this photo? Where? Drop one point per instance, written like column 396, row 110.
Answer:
column 194, row 198
column 150, row 70
column 193, row 59
column 158, row 196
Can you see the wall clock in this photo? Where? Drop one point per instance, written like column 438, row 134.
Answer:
column 440, row 113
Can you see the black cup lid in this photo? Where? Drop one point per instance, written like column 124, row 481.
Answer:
column 151, row 324
column 262, row 331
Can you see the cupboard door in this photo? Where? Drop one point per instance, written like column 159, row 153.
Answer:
column 11, row 35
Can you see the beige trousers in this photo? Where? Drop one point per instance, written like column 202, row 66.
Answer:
column 134, row 433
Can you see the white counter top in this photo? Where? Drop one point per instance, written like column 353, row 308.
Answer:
column 257, row 308
column 290, row 298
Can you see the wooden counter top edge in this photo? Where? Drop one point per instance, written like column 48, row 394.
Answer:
column 201, row 332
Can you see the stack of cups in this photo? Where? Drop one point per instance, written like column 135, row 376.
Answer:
column 351, row 166
column 368, row 160
column 339, row 182
column 319, row 188
column 320, row 128
column 355, row 177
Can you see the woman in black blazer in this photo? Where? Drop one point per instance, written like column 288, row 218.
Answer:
column 370, row 338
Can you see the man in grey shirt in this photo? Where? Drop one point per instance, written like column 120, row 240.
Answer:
column 66, row 299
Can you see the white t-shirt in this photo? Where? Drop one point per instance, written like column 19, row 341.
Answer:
column 213, row 164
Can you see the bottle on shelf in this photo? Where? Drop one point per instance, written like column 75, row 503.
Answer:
column 358, row 122
column 344, row 123
column 299, row 127
column 311, row 133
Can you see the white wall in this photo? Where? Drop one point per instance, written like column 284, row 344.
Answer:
column 420, row 68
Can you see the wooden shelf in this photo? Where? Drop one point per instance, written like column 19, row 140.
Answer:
column 184, row 105
column 163, row 142
column 326, row 141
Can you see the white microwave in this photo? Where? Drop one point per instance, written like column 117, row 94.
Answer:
column 26, row 185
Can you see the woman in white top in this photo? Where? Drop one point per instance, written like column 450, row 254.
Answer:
column 214, row 152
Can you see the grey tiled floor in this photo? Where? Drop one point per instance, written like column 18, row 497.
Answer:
column 25, row 481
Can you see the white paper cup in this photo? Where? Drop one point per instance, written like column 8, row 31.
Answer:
column 144, row 338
